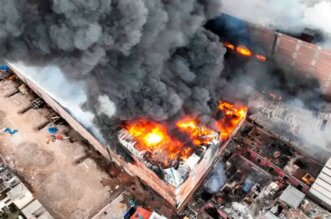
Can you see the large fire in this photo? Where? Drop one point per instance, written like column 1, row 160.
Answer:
column 152, row 135
column 162, row 141
column 200, row 135
column 233, row 115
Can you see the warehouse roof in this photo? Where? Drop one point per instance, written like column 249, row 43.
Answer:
column 321, row 189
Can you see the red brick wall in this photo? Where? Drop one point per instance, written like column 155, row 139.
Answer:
column 307, row 59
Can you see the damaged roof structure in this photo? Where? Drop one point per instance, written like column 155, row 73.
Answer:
column 176, row 185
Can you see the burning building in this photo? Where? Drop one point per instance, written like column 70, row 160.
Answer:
column 143, row 59
column 174, row 159
column 151, row 61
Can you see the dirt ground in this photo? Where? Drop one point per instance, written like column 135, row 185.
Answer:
column 67, row 190
column 61, row 175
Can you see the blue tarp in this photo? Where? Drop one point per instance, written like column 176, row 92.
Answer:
column 4, row 68
column 10, row 131
column 52, row 130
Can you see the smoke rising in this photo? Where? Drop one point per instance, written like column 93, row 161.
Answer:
column 289, row 15
column 69, row 94
column 216, row 179
column 133, row 57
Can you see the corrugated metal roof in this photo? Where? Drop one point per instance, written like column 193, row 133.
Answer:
column 328, row 164
column 324, row 176
column 321, row 189
column 322, row 183
column 327, row 171
column 321, row 196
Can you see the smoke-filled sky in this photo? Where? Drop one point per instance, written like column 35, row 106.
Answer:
column 288, row 15
column 132, row 57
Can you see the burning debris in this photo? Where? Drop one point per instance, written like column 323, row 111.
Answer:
column 244, row 51
column 232, row 116
column 178, row 154
column 166, row 144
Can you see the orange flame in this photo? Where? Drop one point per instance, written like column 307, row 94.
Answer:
column 229, row 45
column 198, row 134
column 244, row 51
column 150, row 135
column 261, row 57
column 233, row 115
column 155, row 138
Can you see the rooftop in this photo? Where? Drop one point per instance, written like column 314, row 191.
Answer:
column 292, row 196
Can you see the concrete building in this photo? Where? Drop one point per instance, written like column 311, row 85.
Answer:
column 35, row 210
column 19, row 196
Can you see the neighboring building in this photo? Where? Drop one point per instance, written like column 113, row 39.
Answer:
column 292, row 197
column 20, row 196
column 305, row 59
column 16, row 194
column 321, row 189
column 35, row 210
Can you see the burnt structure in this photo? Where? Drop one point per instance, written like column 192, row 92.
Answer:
column 176, row 184
column 266, row 178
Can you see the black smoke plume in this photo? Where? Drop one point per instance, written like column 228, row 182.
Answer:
column 148, row 58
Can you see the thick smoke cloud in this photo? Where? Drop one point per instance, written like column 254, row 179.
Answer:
column 136, row 57
column 287, row 15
